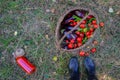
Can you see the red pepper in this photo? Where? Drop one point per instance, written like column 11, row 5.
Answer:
column 23, row 62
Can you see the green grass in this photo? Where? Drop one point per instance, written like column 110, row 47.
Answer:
column 33, row 23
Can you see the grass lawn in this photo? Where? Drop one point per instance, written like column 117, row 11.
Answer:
column 31, row 24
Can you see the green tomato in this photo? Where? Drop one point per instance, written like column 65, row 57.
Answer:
column 85, row 30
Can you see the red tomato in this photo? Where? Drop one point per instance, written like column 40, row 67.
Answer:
column 79, row 39
column 93, row 50
column 91, row 29
column 82, row 25
column 81, row 34
column 67, row 41
column 77, row 32
column 95, row 26
column 89, row 25
column 89, row 36
column 88, row 33
column 70, row 46
column 79, row 44
column 90, row 16
column 101, row 24
column 87, row 54
column 72, row 40
column 73, row 23
column 82, row 53
column 84, row 22
column 75, row 46
column 94, row 22
column 95, row 42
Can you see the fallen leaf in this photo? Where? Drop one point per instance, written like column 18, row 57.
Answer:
column 46, row 36
column 53, row 10
column 74, row 1
column 54, row 0
column 118, row 12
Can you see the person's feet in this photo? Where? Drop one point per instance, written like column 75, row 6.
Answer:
column 90, row 68
column 74, row 69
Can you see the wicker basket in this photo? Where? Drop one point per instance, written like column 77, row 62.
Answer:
column 84, row 46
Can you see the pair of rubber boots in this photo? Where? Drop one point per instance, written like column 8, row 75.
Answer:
column 89, row 66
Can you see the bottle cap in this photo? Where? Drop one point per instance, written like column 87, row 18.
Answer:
column 18, row 53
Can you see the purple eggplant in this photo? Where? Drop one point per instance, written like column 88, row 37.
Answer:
column 78, row 13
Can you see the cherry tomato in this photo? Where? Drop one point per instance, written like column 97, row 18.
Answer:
column 88, row 33
column 84, row 22
column 79, row 39
column 72, row 40
column 75, row 45
column 67, row 41
column 101, row 24
column 95, row 42
column 87, row 54
column 79, row 44
column 82, row 25
column 90, row 16
column 70, row 46
column 93, row 50
column 82, row 53
column 89, row 36
column 91, row 29
column 77, row 32
column 95, row 26
column 81, row 34
column 73, row 23
column 89, row 25
column 94, row 22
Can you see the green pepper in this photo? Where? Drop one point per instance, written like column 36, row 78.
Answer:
column 84, row 40
column 80, row 29
column 76, row 18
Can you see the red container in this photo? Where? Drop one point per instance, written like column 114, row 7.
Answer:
column 23, row 62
